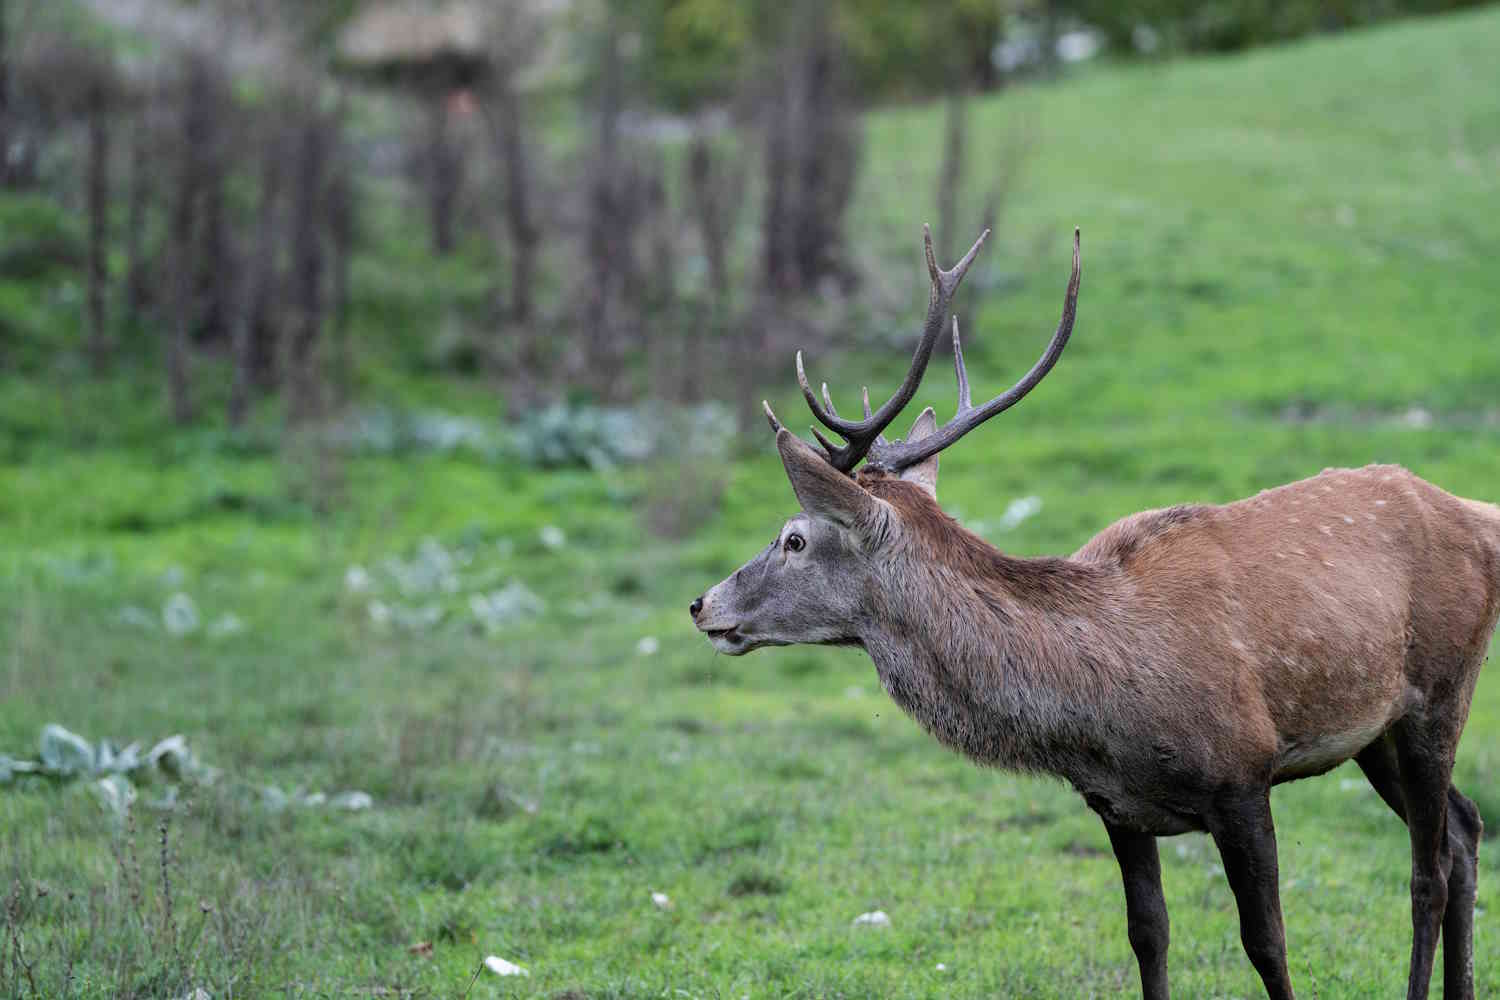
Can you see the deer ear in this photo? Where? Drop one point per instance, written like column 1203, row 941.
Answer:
column 924, row 473
column 820, row 488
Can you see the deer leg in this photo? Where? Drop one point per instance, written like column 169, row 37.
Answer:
column 1464, row 831
column 1425, row 763
column 1145, row 906
column 1379, row 763
column 1241, row 827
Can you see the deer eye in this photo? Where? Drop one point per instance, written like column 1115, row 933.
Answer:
column 795, row 542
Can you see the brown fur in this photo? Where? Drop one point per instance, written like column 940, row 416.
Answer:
column 1186, row 657
column 1274, row 637
column 1174, row 668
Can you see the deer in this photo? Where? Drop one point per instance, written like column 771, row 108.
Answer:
column 1174, row 668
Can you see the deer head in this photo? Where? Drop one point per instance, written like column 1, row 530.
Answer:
column 820, row 580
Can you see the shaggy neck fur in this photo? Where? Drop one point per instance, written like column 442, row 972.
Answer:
column 1013, row 662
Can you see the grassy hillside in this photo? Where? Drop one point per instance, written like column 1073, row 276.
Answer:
column 1288, row 264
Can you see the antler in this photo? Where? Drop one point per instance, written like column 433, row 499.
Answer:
column 862, row 435
column 903, row 454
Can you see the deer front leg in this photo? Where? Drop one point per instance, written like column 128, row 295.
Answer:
column 1145, row 906
column 1241, row 827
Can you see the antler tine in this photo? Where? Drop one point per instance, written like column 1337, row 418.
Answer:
column 828, row 445
column 861, row 435
column 964, row 402
column 775, row 424
column 879, row 438
column 904, row 454
column 828, row 401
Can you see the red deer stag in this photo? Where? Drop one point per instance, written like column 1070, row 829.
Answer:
column 1175, row 667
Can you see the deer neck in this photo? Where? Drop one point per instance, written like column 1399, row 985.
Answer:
column 1009, row 661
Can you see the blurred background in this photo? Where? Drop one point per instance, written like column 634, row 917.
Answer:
column 379, row 381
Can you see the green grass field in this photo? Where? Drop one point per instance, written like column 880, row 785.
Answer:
column 1289, row 263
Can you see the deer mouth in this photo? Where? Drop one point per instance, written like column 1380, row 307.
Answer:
column 726, row 640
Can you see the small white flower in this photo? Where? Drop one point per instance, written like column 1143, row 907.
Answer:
column 661, row 900
column 136, row 617
column 648, row 646
column 552, row 536
column 501, row 967
column 226, row 625
column 875, row 918
column 501, row 607
column 352, row 801
column 941, row 967
column 1417, row 417
column 180, row 615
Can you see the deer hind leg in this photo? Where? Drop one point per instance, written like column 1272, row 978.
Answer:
column 1241, row 827
column 1464, row 831
column 1379, row 763
column 1424, row 758
column 1145, row 906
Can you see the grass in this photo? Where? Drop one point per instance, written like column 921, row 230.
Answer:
column 1288, row 264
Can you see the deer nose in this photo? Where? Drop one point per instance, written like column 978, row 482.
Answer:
column 695, row 607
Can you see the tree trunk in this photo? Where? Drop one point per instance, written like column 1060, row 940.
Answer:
column 215, row 266
column 253, row 332
column 444, row 177
column 5, row 124
column 776, row 256
column 715, row 194
column 215, row 255
column 178, row 377
column 951, row 176
column 524, row 232
column 184, row 210
column 342, row 225
column 306, row 293
column 137, row 268
column 811, row 156
column 100, row 343
column 608, row 238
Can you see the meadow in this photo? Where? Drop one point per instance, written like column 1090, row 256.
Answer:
column 1288, row 264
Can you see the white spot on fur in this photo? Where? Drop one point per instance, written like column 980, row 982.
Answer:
column 1348, row 519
